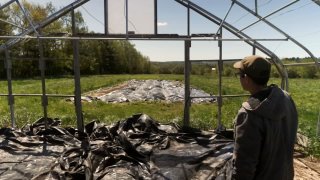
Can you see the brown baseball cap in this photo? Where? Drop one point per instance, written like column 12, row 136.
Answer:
column 254, row 66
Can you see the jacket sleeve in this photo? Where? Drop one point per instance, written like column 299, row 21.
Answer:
column 248, row 137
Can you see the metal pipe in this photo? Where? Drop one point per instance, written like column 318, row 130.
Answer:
column 13, row 24
column 188, row 21
column 262, row 18
column 106, row 23
column 253, row 50
column 207, row 97
column 44, row 98
column 7, row 4
column 317, row 2
column 225, row 17
column 187, row 100
column 72, row 96
column 187, row 69
column 213, row 60
column 277, row 29
column 77, row 85
column 233, row 30
column 182, row 38
column 28, row 18
column 155, row 16
column 127, row 20
column 44, row 23
column 34, row 59
column 220, row 70
column 48, row 95
column 66, row 96
column 223, row 96
column 256, row 6
column 235, row 95
column 8, row 66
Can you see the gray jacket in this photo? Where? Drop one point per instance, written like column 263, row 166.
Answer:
column 265, row 133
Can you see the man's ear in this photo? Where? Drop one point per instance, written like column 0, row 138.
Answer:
column 247, row 79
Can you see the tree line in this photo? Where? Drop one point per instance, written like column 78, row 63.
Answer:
column 211, row 68
column 96, row 56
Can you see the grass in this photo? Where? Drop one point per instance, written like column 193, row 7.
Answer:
column 305, row 92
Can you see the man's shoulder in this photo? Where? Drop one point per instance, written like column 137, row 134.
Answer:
column 251, row 104
column 279, row 93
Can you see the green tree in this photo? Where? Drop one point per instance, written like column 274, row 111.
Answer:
column 95, row 56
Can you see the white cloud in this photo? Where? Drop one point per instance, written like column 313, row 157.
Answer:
column 162, row 23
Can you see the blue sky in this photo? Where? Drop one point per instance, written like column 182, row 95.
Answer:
column 300, row 20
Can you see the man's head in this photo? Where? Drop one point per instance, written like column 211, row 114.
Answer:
column 256, row 67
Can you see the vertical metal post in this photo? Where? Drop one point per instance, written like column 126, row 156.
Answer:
column 76, row 69
column 8, row 66
column 188, row 20
column 155, row 16
column 256, row 6
column 254, row 50
column 106, row 23
column 220, row 70
column 187, row 69
column 127, row 19
column 44, row 98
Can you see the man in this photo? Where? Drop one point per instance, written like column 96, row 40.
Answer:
column 265, row 127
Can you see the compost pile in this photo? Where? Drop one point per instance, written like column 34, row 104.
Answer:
column 147, row 90
column 135, row 148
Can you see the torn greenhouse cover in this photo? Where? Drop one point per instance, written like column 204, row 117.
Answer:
column 135, row 148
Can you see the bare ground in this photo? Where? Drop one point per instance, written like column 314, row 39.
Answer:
column 306, row 167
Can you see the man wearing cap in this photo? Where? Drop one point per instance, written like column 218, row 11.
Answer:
column 265, row 126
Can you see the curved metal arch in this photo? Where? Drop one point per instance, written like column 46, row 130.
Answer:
column 274, row 58
column 277, row 29
column 44, row 23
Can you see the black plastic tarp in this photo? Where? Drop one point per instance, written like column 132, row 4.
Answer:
column 135, row 148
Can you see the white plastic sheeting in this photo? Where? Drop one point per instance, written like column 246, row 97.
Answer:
column 152, row 90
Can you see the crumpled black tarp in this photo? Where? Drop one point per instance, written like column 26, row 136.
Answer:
column 135, row 148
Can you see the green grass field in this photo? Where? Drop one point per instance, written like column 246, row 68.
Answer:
column 305, row 92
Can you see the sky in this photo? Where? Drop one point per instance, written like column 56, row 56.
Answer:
column 300, row 21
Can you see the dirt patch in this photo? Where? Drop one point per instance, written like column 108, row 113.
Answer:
column 305, row 167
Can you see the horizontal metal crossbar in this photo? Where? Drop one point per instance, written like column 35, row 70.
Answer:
column 195, row 97
column 223, row 96
column 213, row 60
column 155, row 37
column 48, row 95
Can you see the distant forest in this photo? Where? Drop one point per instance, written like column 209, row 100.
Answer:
column 96, row 56
column 207, row 68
